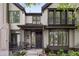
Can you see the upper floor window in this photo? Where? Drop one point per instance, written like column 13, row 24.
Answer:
column 36, row 19
column 60, row 17
column 14, row 16
column 70, row 17
column 57, row 19
column 63, row 17
column 54, row 17
column 50, row 17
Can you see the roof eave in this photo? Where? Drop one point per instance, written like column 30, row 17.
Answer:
column 20, row 7
column 45, row 6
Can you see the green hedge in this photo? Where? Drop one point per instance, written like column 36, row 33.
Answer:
column 61, row 52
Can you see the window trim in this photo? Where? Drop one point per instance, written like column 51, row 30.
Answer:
column 14, row 11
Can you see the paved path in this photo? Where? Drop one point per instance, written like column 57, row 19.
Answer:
column 34, row 52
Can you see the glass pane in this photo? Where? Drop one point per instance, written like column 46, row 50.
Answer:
column 55, row 38
column 33, row 39
column 60, row 38
column 11, row 17
column 57, row 17
column 16, row 17
column 63, row 38
column 63, row 17
column 38, row 18
column 34, row 18
column 34, row 22
column 50, row 16
column 38, row 22
column 70, row 17
column 51, row 38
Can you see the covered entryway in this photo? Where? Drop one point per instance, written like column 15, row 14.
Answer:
column 33, row 39
column 33, row 35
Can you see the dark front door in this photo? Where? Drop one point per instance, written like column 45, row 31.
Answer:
column 38, row 39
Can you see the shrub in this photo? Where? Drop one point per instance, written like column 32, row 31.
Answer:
column 47, row 50
column 51, row 54
column 20, row 53
column 61, row 53
column 73, row 53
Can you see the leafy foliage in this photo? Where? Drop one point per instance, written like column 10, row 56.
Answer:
column 31, row 4
column 64, row 6
column 20, row 53
column 73, row 53
column 61, row 52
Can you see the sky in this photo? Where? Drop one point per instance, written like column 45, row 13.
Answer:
column 34, row 9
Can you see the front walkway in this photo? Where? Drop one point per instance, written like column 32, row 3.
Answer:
column 34, row 52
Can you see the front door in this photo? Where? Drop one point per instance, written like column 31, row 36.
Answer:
column 38, row 39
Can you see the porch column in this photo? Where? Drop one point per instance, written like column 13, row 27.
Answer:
column 71, row 39
column 45, row 38
column 22, row 38
column 18, row 40
column 76, row 41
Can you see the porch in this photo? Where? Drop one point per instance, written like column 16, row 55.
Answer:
column 33, row 36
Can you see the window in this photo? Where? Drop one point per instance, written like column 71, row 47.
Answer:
column 58, row 38
column 63, row 17
column 57, row 17
column 54, row 17
column 13, row 42
column 36, row 19
column 14, row 16
column 70, row 17
column 50, row 16
column 60, row 17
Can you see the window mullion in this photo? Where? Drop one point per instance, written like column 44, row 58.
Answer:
column 58, row 38
column 54, row 15
column 65, row 17
column 62, row 38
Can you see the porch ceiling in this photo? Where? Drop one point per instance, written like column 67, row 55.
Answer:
column 31, row 26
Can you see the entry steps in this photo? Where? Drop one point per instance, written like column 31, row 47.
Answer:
column 34, row 52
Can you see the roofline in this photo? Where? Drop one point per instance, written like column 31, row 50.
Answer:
column 20, row 7
column 45, row 6
column 29, row 14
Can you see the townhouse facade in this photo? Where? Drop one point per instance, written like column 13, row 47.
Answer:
column 52, row 27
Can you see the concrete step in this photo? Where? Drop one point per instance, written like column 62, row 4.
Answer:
column 34, row 52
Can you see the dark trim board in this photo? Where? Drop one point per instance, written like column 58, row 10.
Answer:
column 33, row 14
column 31, row 26
column 69, row 9
column 45, row 6
column 75, row 49
column 20, row 7
column 60, row 27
